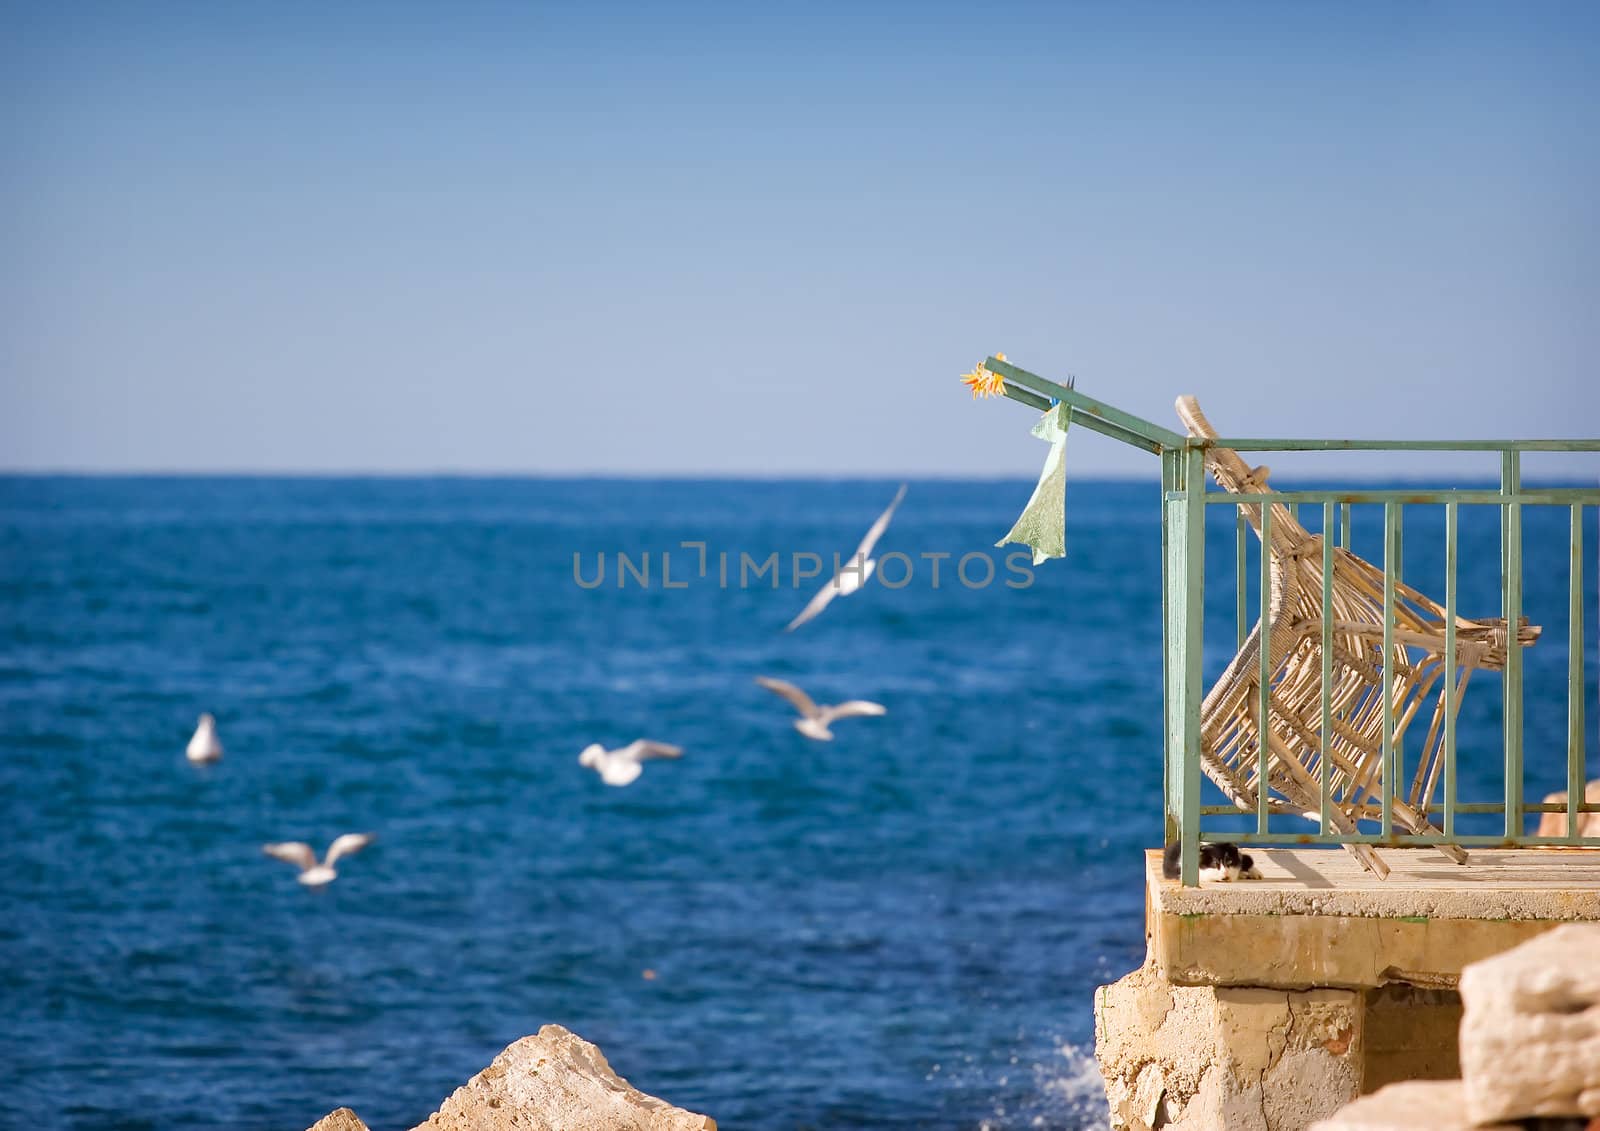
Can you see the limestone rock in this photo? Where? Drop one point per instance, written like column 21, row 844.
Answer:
column 1555, row 824
column 556, row 1081
column 339, row 1119
column 1418, row 1105
column 1203, row 1057
column 1530, row 1028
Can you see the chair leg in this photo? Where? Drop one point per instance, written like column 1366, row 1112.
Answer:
column 1365, row 853
column 1422, row 827
column 1370, row 860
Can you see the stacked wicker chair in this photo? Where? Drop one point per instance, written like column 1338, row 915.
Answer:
column 1230, row 716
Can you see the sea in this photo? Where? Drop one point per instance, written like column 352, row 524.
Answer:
column 900, row 928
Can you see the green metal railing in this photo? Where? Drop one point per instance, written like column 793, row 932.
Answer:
column 1184, row 502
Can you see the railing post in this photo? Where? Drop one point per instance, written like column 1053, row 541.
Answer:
column 1391, row 569
column 1576, row 792
column 1325, row 786
column 1169, row 484
column 1264, row 674
column 1185, row 608
column 1511, row 609
column 1452, row 534
column 1241, row 548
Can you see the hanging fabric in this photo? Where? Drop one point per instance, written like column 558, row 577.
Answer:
column 1042, row 526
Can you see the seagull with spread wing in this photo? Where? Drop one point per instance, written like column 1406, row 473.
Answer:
column 861, row 563
column 621, row 766
column 313, row 874
column 813, row 721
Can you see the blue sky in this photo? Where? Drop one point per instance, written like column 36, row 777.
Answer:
column 768, row 238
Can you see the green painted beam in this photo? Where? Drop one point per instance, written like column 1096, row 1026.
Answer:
column 1088, row 411
column 1032, row 400
column 1464, row 807
column 1409, row 840
column 1258, row 444
column 1538, row 496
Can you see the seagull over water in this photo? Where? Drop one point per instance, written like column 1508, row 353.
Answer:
column 813, row 721
column 619, row 767
column 205, row 746
column 861, row 566
column 313, row 874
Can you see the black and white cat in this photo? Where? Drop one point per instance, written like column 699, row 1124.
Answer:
column 1221, row 862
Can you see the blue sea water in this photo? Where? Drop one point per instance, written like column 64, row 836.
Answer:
column 901, row 928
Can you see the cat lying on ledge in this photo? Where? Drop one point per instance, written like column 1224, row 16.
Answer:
column 1221, row 862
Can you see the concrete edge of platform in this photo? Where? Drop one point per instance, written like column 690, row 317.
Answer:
column 1280, row 932
column 1430, row 887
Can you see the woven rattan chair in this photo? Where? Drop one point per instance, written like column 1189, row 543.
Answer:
column 1230, row 715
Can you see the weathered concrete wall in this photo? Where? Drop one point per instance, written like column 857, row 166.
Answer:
column 1262, row 1058
column 1204, row 1057
column 1409, row 1034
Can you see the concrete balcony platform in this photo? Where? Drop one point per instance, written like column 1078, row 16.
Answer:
column 1265, row 1005
column 1317, row 919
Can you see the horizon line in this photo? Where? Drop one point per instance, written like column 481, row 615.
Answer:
column 687, row 476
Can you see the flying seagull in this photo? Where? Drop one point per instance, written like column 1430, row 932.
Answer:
column 205, row 746
column 813, row 721
column 619, row 767
column 847, row 581
column 300, row 855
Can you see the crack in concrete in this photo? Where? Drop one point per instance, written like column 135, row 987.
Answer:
column 1274, row 1058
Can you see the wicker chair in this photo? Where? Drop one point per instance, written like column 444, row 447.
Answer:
column 1230, row 714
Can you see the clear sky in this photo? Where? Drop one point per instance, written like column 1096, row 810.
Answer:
column 768, row 237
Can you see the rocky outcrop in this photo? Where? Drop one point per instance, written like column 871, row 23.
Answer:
column 1416, row 1105
column 556, row 1081
column 1530, row 1030
column 1555, row 824
column 553, row 1081
column 1202, row 1057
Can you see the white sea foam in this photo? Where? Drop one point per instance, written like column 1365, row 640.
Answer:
column 1051, row 1084
column 1067, row 1093
column 1071, row 1087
